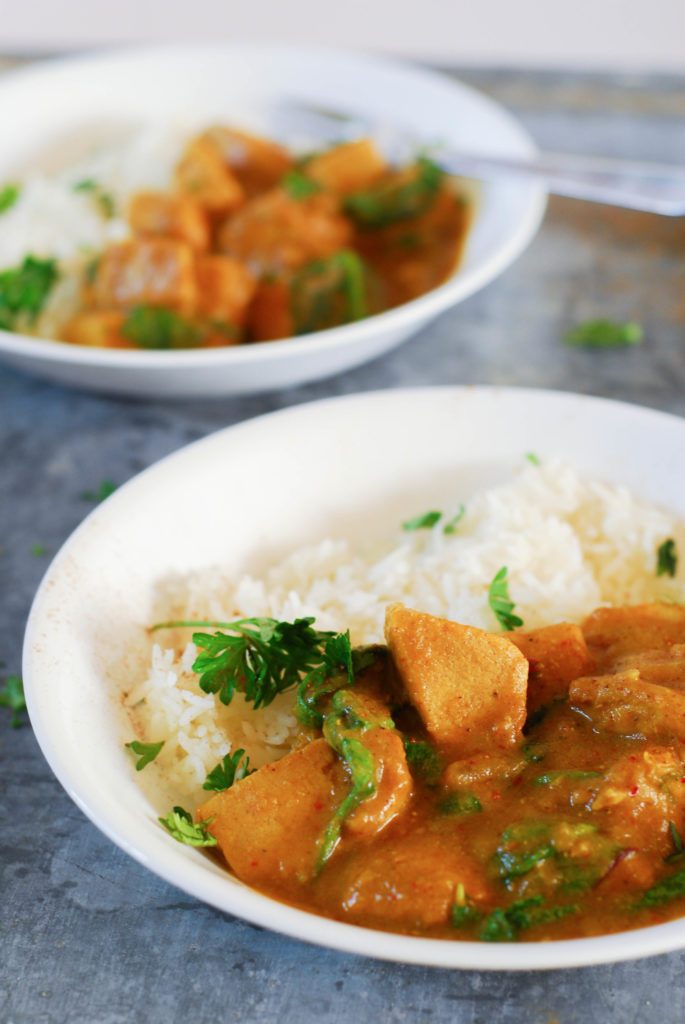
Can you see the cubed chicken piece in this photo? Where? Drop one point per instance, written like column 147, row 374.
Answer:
column 146, row 272
column 641, row 793
column 203, row 173
column 410, row 881
column 556, row 656
column 393, row 784
column 624, row 704
column 665, row 667
column 225, row 289
column 176, row 216
column 257, row 163
column 468, row 686
column 268, row 825
column 270, row 317
column 276, row 232
column 347, row 168
column 612, row 633
column 97, row 330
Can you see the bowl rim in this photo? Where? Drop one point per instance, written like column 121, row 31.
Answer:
column 460, row 285
column 269, row 913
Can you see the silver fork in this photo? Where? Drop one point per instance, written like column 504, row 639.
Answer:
column 636, row 185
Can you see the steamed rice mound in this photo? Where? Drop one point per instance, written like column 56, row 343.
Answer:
column 570, row 545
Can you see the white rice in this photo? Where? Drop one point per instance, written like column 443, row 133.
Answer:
column 570, row 545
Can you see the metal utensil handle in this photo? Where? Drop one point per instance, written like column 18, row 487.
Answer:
column 655, row 188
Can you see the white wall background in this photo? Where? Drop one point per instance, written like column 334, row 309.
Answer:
column 616, row 34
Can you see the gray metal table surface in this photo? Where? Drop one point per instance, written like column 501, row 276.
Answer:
column 90, row 937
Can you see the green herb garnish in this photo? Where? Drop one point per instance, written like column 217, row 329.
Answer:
column 667, row 558
column 9, row 194
column 262, row 657
column 151, row 327
column 426, row 521
column 451, row 526
column 179, row 823
column 678, row 846
column 24, row 290
column 12, row 697
column 103, row 199
column 460, row 803
column 500, row 602
column 105, row 489
column 329, row 292
column 298, row 185
column 533, row 458
column 38, row 550
column 504, row 925
column 232, row 768
column 396, row 200
column 663, row 892
column 604, row 334
column 145, row 752
column 423, row 760
column 532, row 753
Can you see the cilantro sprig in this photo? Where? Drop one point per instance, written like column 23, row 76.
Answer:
column 179, row 824
column 101, row 197
column 500, row 602
column 427, row 520
column 298, row 185
column 232, row 768
column 667, row 558
column 24, row 290
column 262, row 657
column 151, row 327
column 9, row 194
column 145, row 752
column 12, row 697
column 604, row 334
column 398, row 198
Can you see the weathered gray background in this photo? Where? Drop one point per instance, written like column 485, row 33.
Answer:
column 88, row 936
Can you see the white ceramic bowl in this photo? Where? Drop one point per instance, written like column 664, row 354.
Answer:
column 244, row 83
column 401, row 449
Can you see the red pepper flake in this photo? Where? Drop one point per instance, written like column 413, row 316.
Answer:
column 633, row 790
column 318, row 805
column 254, row 863
column 496, row 796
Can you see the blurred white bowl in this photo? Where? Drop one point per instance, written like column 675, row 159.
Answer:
column 243, row 83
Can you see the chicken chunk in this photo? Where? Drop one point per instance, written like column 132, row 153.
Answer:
column 641, row 794
column 257, row 163
column 481, row 771
column 276, row 232
column 556, row 656
column 268, row 825
column 146, row 272
column 612, row 633
column 225, row 289
column 393, row 784
column 176, row 216
column 667, row 668
column 97, row 329
column 468, row 686
column 203, row 173
column 410, row 881
column 347, row 168
column 624, row 704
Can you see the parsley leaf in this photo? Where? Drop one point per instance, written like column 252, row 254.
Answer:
column 8, row 197
column 532, row 458
column 329, row 292
column 401, row 197
column 232, row 768
column 151, row 327
column 24, row 289
column 505, row 925
column 669, row 889
column 500, row 602
column 12, row 696
column 38, row 550
column 106, row 488
column 426, row 521
column 103, row 199
column 146, row 752
column 451, row 526
column 361, row 768
column 298, row 185
column 667, row 558
column 604, row 334
column 460, row 803
column 179, row 823
column 678, row 846
column 423, row 760
column 262, row 657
